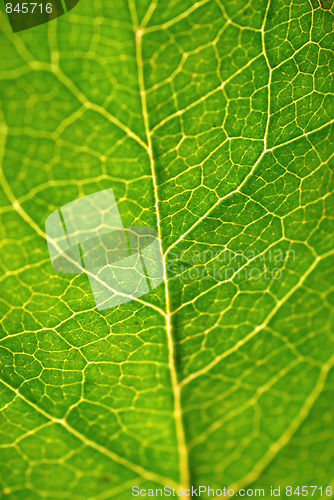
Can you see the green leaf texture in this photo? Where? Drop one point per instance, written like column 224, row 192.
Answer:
column 213, row 123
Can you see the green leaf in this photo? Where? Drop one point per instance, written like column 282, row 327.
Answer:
column 212, row 121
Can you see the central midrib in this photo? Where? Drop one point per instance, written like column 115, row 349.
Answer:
column 177, row 413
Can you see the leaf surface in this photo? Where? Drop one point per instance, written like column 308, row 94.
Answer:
column 213, row 123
